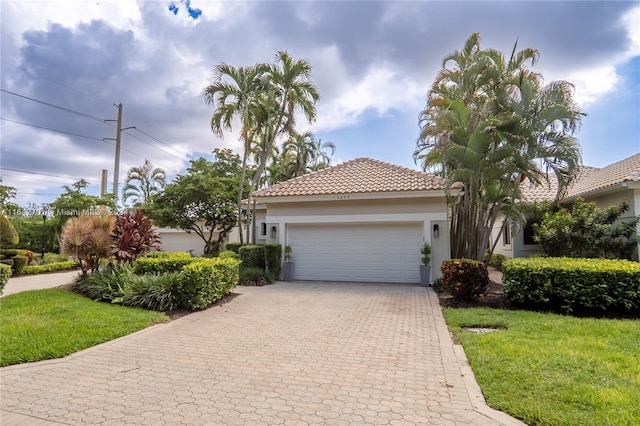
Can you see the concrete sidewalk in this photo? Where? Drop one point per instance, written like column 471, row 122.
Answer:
column 289, row 353
column 39, row 281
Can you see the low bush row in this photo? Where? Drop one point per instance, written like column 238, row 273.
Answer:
column 266, row 258
column 5, row 273
column 17, row 259
column 573, row 285
column 50, row 267
column 163, row 283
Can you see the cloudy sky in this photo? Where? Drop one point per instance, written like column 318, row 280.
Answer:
column 66, row 63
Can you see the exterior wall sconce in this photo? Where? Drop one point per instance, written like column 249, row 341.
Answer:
column 436, row 231
column 274, row 231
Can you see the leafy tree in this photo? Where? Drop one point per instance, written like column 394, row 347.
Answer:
column 142, row 182
column 490, row 123
column 201, row 201
column 30, row 230
column 588, row 231
column 75, row 202
column 7, row 193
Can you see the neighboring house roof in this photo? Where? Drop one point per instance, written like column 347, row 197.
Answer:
column 627, row 170
column 548, row 190
column 358, row 176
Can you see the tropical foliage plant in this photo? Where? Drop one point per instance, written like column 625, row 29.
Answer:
column 489, row 124
column 133, row 236
column 88, row 240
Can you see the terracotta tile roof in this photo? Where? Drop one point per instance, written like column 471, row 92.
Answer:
column 361, row 175
column 547, row 190
column 627, row 170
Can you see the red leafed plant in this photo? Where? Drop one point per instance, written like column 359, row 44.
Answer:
column 133, row 235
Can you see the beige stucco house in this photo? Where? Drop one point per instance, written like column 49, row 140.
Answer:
column 607, row 186
column 362, row 220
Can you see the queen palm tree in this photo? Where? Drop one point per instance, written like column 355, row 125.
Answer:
column 288, row 89
column 488, row 124
column 142, row 182
column 323, row 151
column 236, row 91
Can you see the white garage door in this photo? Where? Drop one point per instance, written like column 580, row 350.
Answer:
column 380, row 252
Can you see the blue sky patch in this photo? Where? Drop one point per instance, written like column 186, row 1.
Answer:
column 194, row 13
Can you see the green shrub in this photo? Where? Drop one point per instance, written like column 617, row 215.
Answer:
column 273, row 260
column 228, row 254
column 162, row 262
column 234, row 247
column 437, row 285
column 206, row 281
column 19, row 262
column 252, row 256
column 464, row 278
column 573, row 284
column 9, row 253
column 50, row 267
column 5, row 273
column 254, row 276
column 8, row 233
column 425, row 251
column 107, row 285
column 7, row 262
column 153, row 292
column 497, row 260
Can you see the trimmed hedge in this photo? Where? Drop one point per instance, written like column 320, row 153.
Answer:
column 273, row 260
column 50, row 267
column 464, row 278
column 252, row 256
column 5, row 273
column 573, row 284
column 203, row 282
column 226, row 254
column 8, row 253
column 162, row 262
column 19, row 263
column 234, row 247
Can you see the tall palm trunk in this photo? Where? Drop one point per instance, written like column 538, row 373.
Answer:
column 240, row 188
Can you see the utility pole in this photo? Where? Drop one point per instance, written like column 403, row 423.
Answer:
column 116, row 165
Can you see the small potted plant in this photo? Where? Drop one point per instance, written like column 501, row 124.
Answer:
column 425, row 268
column 287, row 267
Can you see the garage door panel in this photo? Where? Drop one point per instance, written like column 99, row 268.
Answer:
column 379, row 252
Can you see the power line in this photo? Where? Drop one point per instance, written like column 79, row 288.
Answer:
column 39, row 173
column 52, row 130
column 69, row 110
column 163, row 143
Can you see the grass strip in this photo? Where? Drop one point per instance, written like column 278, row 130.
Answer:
column 549, row 369
column 47, row 324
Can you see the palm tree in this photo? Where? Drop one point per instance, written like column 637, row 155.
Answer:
column 287, row 89
column 489, row 123
column 321, row 155
column 236, row 91
column 302, row 148
column 142, row 182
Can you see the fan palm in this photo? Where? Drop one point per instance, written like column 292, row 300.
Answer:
column 142, row 182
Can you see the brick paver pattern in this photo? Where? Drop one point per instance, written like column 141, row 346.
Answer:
column 289, row 353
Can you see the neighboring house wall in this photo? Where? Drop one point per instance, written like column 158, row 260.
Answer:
column 179, row 240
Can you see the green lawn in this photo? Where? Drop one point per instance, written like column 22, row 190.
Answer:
column 46, row 324
column 548, row 369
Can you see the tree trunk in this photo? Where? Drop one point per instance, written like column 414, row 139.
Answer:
column 240, row 188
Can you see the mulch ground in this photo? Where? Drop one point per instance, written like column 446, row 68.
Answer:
column 493, row 297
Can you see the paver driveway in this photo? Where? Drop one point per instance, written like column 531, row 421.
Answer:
column 289, row 353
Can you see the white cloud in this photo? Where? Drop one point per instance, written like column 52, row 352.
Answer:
column 593, row 83
column 631, row 21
